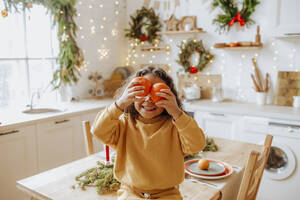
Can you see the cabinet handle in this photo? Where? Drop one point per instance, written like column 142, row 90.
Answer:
column 62, row 121
column 9, row 132
column 218, row 114
column 284, row 125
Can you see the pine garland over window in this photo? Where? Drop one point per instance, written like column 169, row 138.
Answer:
column 70, row 55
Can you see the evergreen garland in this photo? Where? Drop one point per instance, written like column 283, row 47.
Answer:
column 187, row 49
column 70, row 55
column 152, row 25
column 232, row 14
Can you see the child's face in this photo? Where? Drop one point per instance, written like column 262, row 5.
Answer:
column 147, row 108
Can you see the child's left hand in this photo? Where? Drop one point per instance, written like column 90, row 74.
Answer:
column 169, row 103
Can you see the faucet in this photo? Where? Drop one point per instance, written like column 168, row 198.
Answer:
column 37, row 93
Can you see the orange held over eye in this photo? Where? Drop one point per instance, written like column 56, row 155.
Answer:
column 143, row 82
column 203, row 164
column 156, row 88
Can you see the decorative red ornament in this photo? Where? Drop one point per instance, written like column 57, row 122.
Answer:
column 144, row 37
column 238, row 18
column 107, row 153
column 193, row 70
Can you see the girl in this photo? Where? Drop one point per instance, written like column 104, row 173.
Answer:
column 150, row 139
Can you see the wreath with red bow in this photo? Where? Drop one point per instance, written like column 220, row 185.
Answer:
column 187, row 49
column 144, row 26
column 233, row 14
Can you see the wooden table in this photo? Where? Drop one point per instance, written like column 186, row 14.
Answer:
column 57, row 183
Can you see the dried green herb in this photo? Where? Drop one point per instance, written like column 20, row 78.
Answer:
column 101, row 177
column 210, row 145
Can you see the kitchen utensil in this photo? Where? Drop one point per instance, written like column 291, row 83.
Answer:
column 257, row 75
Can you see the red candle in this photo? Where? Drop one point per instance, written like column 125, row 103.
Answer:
column 107, row 153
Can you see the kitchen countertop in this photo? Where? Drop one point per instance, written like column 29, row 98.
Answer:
column 240, row 108
column 14, row 117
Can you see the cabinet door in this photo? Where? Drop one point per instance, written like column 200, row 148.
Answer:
column 17, row 160
column 57, row 142
column 217, row 124
column 285, row 15
column 98, row 146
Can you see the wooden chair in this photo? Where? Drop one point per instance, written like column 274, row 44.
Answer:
column 254, row 171
column 88, row 138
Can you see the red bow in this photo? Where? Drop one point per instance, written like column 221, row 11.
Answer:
column 144, row 37
column 193, row 70
column 237, row 18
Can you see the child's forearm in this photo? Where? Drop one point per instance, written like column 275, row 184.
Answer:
column 107, row 125
column 191, row 136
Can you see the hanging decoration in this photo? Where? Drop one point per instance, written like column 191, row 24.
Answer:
column 144, row 26
column 232, row 14
column 4, row 13
column 189, row 48
column 70, row 55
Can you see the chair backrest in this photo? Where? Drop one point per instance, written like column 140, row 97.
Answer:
column 88, row 137
column 254, row 171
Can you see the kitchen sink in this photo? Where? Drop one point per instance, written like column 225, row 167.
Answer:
column 41, row 110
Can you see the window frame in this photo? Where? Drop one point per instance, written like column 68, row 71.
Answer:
column 26, row 59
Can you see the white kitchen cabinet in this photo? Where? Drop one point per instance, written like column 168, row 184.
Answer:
column 59, row 141
column 18, row 159
column 98, row 146
column 217, row 124
column 285, row 15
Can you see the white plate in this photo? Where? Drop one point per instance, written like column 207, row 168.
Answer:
column 227, row 173
column 215, row 168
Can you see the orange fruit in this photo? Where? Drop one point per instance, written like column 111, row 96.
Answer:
column 203, row 164
column 143, row 82
column 156, row 88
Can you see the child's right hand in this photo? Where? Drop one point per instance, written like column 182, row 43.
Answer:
column 128, row 97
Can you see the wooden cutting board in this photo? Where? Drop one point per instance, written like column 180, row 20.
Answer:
column 288, row 85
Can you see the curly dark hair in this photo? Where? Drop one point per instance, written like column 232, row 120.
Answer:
column 157, row 71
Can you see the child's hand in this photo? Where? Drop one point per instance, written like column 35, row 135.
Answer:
column 128, row 96
column 169, row 103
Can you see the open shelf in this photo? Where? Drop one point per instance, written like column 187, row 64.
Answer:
column 240, row 47
column 180, row 32
column 153, row 48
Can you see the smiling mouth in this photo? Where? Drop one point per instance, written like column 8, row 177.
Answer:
column 149, row 108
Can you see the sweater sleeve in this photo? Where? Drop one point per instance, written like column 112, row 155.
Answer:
column 108, row 126
column 191, row 136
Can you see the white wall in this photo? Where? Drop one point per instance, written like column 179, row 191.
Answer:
column 92, row 15
column 235, row 66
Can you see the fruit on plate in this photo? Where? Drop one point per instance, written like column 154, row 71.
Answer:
column 156, row 88
column 143, row 82
column 203, row 163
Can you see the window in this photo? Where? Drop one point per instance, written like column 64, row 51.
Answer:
column 28, row 53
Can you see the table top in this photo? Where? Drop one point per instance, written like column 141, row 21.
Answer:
column 57, row 183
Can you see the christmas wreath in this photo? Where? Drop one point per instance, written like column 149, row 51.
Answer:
column 144, row 26
column 232, row 14
column 187, row 49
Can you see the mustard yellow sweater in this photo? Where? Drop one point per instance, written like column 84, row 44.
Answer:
column 150, row 152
